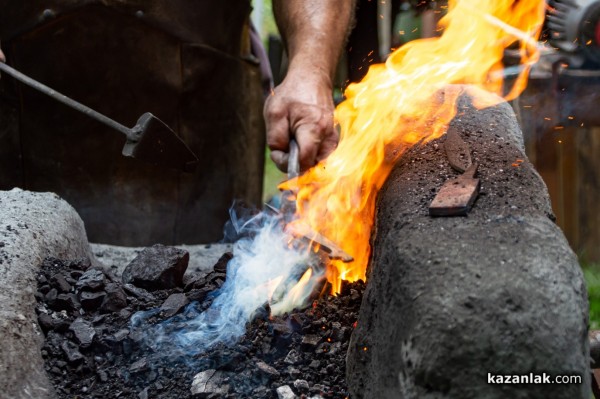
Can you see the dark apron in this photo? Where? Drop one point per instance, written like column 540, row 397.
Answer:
column 187, row 62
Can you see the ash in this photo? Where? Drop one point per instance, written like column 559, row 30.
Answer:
column 93, row 348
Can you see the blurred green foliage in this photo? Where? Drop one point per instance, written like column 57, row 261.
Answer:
column 266, row 26
column 271, row 179
column 591, row 273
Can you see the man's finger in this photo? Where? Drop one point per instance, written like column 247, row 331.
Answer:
column 280, row 159
column 309, row 141
column 328, row 145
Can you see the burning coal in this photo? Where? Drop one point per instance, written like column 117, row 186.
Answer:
column 265, row 268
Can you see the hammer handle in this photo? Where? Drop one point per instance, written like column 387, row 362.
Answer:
column 64, row 99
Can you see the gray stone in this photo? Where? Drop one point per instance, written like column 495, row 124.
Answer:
column 91, row 280
column 310, row 342
column 91, row 300
column 102, row 375
column 115, row 299
column 139, row 292
column 267, row 370
column 46, row 322
column 173, row 304
column 139, row 365
column 334, row 348
column 143, row 394
column 83, row 331
column 203, row 257
column 451, row 299
column 72, row 353
column 301, row 385
column 209, row 382
column 285, row 392
column 221, row 265
column 121, row 335
column 33, row 226
column 61, row 283
column 293, row 357
column 317, row 389
column 294, row 372
column 200, row 294
column 51, row 296
column 68, row 302
column 157, row 267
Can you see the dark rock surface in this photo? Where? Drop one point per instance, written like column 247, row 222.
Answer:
column 452, row 299
column 157, row 267
column 115, row 298
column 174, row 304
column 92, row 352
column 91, row 280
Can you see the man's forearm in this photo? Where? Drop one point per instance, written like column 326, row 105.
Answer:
column 314, row 32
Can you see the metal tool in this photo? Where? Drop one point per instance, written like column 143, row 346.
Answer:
column 288, row 210
column 332, row 250
column 456, row 197
column 288, row 197
column 150, row 140
column 457, row 151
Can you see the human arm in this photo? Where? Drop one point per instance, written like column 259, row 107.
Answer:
column 314, row 32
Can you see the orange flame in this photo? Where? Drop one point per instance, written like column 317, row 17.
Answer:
column 296, row 296
column 401, row 103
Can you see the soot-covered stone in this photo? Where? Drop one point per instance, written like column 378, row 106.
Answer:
column 84, row 332
column 451, row 299
column 157, row 267
column 173, row 304
column 115, row 298
column 91, row 280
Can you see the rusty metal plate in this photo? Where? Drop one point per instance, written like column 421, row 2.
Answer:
column 455, row 198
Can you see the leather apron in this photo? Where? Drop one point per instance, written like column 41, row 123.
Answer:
column 187, row 62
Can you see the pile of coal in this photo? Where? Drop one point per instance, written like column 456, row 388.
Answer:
column 91, row 349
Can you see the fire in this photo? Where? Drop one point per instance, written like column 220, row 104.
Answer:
column 405, row 101
column 296, row 295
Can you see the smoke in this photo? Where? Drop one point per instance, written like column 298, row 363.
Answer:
column 266, row 268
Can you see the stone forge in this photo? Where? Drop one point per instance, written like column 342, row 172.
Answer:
column 450, row 300
column 33, row 226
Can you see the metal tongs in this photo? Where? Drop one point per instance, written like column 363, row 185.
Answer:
column 287, row 210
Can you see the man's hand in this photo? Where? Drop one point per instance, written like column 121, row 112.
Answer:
column 302, row 107
column 2, row 57
column 314, row 32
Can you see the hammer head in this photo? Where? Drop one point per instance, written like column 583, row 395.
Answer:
column 152, row 141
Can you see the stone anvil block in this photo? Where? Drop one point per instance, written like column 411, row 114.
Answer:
column 449, row 300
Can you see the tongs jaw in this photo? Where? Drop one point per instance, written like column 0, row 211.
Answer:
column 287, row 210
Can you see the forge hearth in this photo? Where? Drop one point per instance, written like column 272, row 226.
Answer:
column 103, row 351
column 448, row 300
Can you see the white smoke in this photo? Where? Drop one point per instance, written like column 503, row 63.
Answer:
column 265, row 268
